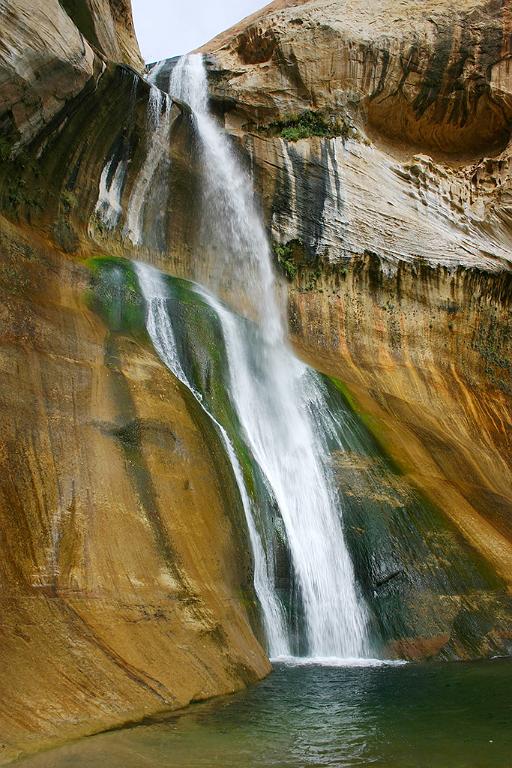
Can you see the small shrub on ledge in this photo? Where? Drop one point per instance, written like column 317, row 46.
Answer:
column 284, row 256
column 310, row 124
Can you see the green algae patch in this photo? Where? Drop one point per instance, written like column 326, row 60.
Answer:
column 371, row 424
column 114, row 294
column 304, row 126
column 285, row 257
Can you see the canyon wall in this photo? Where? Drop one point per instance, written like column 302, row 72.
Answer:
column 378, row 139
column 126, row 573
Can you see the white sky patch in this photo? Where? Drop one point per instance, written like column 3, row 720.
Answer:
column 168, row 28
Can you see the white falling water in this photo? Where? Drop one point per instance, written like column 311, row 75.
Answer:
column 233, row 233
column 155, row 101
column 161, row 332
column 155, row 71
column 159, row 125
column 108, row 207
column 272, row 391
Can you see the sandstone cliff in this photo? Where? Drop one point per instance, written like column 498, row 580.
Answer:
column 379, row 140
column 126, row 574
column 51, row 52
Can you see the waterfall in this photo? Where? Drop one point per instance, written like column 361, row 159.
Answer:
column 233, row 234
column 273, row 393
column 108, row 208
column 159, row 128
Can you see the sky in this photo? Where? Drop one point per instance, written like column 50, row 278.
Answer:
column 168, row 28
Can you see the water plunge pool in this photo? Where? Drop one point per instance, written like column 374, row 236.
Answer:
column 456, row 715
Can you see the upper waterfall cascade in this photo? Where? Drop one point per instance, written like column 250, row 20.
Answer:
column 274, row 395
column 159, row 127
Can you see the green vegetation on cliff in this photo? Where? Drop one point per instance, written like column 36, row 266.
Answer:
column 115, row 295
column 309, row 124
column 284, row 256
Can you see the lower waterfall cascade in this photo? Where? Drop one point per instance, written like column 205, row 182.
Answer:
column 398, row 542
column 160, row 330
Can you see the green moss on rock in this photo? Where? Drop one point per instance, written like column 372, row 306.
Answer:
column 115, row 295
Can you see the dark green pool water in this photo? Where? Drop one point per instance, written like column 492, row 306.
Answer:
column 415, row 716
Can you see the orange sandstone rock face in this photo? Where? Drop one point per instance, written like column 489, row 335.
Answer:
column 123, row 562
column 427, row 73
column 110, row 28
column 426, row 355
